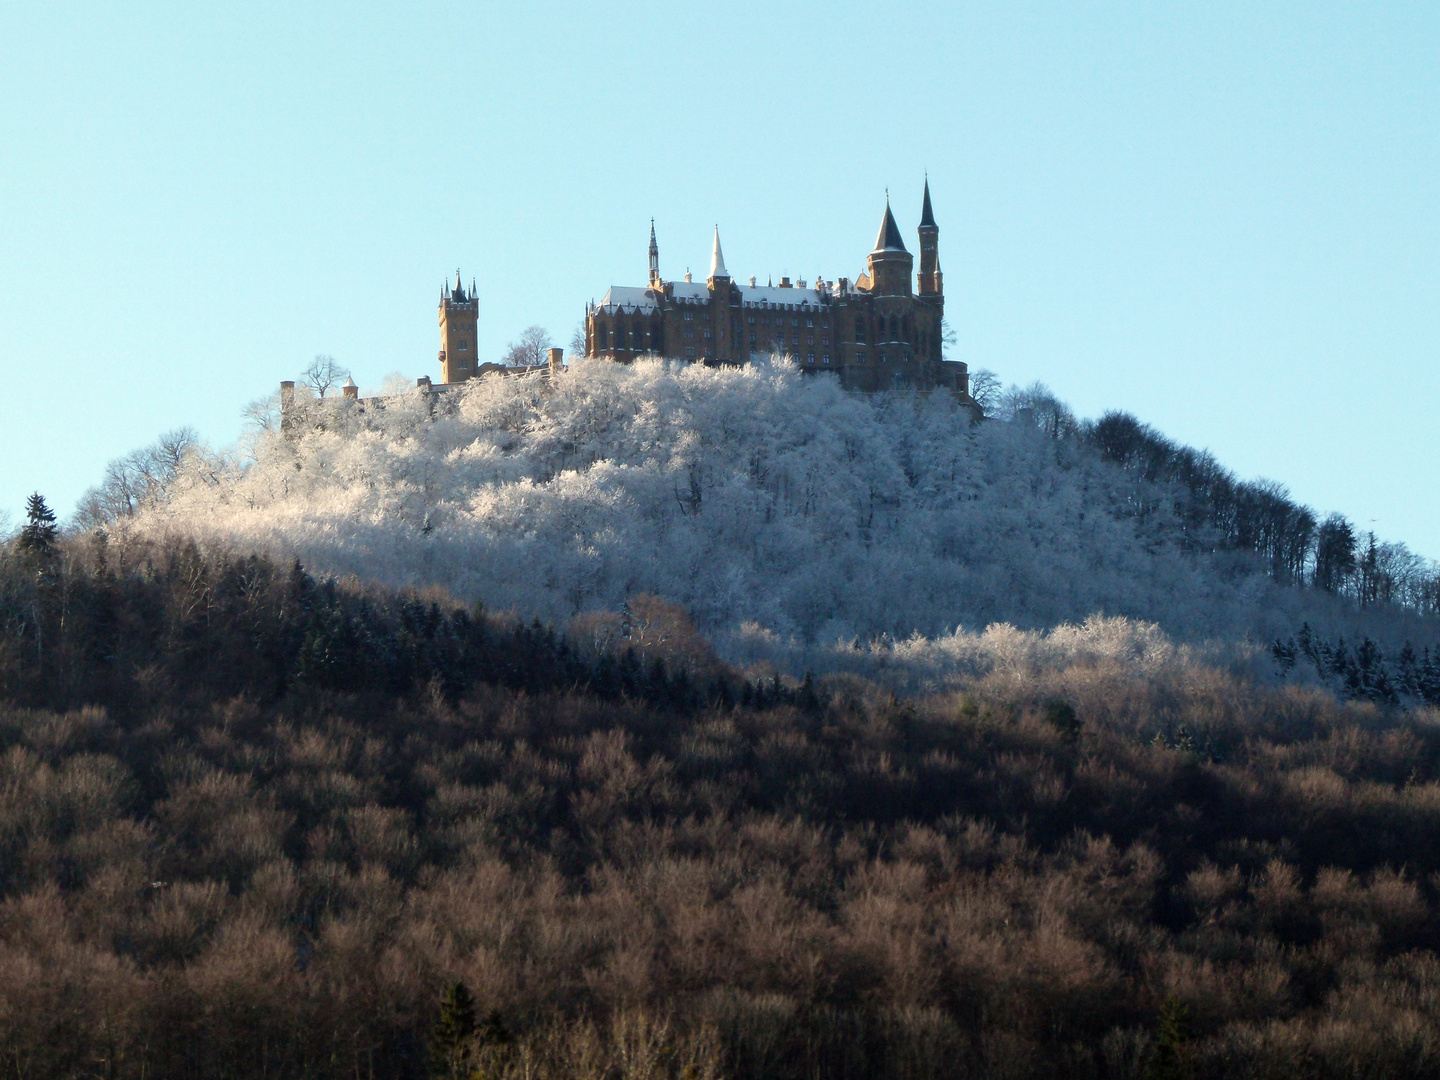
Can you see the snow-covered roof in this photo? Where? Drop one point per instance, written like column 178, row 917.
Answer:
column 774, row 294
column 631, row 298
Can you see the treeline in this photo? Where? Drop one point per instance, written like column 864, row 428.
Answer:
column 1363, row 671
column 254, row 824
column 1215, row 511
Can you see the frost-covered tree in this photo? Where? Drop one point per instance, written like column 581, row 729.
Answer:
column 322, row 374
column 531, row 350
column 139, row 479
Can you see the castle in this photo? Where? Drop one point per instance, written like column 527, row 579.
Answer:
column 874, row 333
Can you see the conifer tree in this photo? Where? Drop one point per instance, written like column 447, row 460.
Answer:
column 1172, row 1053
column 450, row 1042
column 38, row 535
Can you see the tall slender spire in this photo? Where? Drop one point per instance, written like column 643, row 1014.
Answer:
column 927, row 216
column 930, row 281
column 717, row 259
column 654, row 258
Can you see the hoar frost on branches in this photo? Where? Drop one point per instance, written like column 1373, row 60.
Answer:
column 753, row 497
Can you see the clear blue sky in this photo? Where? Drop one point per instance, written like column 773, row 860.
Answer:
column 1221, row 217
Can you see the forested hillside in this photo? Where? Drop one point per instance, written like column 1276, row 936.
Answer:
column 793, row 521
column 255, row 824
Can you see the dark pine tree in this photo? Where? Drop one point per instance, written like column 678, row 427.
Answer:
column 38, row 535
column 450, row 1042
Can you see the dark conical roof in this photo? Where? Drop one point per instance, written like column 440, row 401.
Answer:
column 889, row 238
column 927, row 216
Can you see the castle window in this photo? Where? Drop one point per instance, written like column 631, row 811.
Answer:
column 882, row 358
column 826, row 358
column 462, row 346
column 794, row 322
column 600, row 337
column 689, row 331
column 809, row 322
column 752, row 320
column 752, row 341
column 689, row 316
column 810, row 358
column 810, row 340
column 860, row 333
column 794, row 339
column 706, row 334
column 690, row 352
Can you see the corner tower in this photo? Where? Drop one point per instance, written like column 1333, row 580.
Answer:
column 459, row 320
column 930, row 282
column 890, row 263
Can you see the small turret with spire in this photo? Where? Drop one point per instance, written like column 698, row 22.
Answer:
column 719, row 277
column 890, row 262
column 929, row 280
column 654, row 258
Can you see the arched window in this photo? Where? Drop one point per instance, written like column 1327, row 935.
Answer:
column 601, row 338
column 635, row 338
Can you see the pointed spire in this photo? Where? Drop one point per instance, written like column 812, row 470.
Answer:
column 889, row 236
column 927, row 216
column 717, row 258
column 654, row 257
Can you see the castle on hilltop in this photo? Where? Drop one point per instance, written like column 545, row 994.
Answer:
column 875, row 333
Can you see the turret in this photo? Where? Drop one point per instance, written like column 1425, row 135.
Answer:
column 654, row 258
column 890, row 263
column 719, row 277
column 459, row 340
column 930, row 282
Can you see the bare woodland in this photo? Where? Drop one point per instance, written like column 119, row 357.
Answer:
column 253, row 823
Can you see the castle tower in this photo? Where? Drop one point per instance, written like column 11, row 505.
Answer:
column 890, row 263
column 930, row 280
column 654, row 258
column 459, row 318
column 718, row 283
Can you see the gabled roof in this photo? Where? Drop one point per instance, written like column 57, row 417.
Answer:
column 889, row 238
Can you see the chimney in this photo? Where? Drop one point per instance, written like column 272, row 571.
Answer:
column 784, row 283
column 557, row 362
column 423, row 383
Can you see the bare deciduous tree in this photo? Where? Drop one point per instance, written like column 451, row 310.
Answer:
column 530, row 350
column 140, row 478
column 323, row 373
column 985, row 388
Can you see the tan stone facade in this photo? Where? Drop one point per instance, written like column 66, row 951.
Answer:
column 459, row 322
column 874, row 333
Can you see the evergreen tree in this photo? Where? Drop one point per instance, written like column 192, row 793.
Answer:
column 1172, row 1053
column 38, row 535
column 450, row 1043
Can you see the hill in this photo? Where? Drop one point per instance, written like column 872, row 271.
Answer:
column 254, row 824
column 798, row 524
